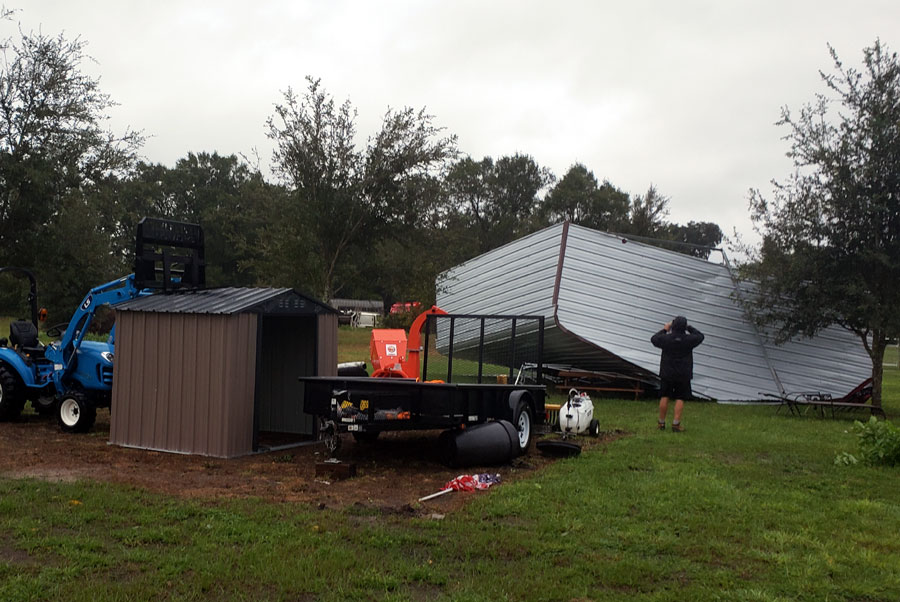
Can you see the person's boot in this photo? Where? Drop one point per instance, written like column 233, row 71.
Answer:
column 661, row 426
column 677, row 428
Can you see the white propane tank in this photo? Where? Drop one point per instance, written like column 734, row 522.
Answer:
column 576, row 416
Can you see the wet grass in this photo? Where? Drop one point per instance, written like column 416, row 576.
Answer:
column 745, row 505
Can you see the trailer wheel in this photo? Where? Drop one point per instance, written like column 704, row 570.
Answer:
column 11, row 398
column 366, row 437
column 594, row 428
column 523, row 421
column 76, row 413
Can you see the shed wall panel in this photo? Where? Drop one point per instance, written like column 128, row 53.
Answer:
column 239, row 387
column 182, row 384
column 327, row 345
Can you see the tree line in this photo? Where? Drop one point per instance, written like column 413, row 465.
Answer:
column 335, row 217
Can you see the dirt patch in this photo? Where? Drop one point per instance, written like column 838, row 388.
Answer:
column 392, row 473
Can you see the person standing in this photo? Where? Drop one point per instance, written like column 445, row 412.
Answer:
column 677, row 340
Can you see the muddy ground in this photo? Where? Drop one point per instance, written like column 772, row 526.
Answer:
column 391, row 474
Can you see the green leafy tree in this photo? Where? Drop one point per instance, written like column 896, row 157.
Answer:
column 222, row 193
column 498, row 200
column 695, row 238
column 342, row 195
column 647, row 214
column 578, row 199
column 56, row 156
column 831, row 232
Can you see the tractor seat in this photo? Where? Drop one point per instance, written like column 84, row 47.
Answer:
column 23, row 333
column 23, row 336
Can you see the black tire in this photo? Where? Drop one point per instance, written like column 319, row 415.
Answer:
column 594, row 428
column 45, row 405
column 523, row 420
column 365, row 437
column 76, row 412
column 12, row 398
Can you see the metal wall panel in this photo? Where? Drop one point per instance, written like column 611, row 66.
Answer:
column 327, row 345
column 612, row 294
column 184, row 383
column 515, row 278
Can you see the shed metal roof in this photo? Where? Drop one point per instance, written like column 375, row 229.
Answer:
column 604, row 296
column 228, row 300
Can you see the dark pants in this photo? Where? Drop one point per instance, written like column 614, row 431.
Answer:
column 676, row 389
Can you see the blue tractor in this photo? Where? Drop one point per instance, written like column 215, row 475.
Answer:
column 73, row 376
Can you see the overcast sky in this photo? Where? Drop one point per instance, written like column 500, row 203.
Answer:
column 680, row 94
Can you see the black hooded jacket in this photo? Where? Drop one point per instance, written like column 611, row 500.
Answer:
column 676, row 363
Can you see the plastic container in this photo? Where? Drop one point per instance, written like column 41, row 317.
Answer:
column 485, row 444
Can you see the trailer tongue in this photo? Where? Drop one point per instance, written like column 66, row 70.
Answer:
column 465, row 352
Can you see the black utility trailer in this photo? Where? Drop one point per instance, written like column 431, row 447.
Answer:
column 474, row 348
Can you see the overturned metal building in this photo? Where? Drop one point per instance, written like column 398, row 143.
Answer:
column 603, row 297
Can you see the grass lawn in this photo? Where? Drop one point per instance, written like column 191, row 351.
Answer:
column 354, row 344
column 746, row 505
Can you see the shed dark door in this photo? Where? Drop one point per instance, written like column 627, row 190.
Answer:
column 288, row 350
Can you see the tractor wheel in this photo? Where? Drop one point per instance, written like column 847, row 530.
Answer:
column 44, row 405
column 12, row 399
column 523, row 421
column 76, row 412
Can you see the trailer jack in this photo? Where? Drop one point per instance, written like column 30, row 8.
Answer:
column 331, row 436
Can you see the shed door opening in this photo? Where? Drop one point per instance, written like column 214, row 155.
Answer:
column 287, row 351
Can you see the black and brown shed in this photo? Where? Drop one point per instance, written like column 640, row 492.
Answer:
column 209, row 371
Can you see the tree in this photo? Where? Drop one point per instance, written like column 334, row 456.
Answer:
column 830, row 252
column 698, row 238
column 220, row 193
column 339, row 191
column 578, row 199
column 647, row 214
column 55, row 156
column 51, row 139
column 498, row 199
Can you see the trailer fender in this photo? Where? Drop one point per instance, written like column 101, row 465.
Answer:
column 521, row 414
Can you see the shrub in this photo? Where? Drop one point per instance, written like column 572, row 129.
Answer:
column 879, row 444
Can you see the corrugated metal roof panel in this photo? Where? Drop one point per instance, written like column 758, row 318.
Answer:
column 515, row 278
column 613, row 294
column 227, row 300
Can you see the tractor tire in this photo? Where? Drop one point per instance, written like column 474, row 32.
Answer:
column 524, row 423
column 12, row 398
column 45, row 405
column 76, row 413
